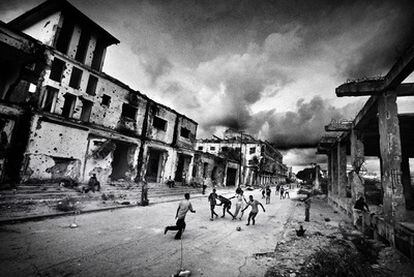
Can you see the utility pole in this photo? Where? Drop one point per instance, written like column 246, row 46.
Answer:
column 241, row 158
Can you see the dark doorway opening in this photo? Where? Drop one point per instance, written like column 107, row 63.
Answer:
column 183, row 164
column 154, row 166
column 231, row 177
column 120, row 164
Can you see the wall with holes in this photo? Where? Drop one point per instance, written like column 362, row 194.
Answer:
column 108, row 98
column 187, row 132
column 159, row 133
column 55, row 151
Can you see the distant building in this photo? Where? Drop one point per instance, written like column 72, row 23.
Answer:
column 261, row 163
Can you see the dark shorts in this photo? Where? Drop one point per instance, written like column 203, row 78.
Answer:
column 251, row 214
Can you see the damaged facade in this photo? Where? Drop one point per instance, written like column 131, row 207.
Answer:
column 63, row 118
column 379, row 130
column 260, row 162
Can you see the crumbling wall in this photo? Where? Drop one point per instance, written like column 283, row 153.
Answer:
column 170, row 155
column 107, row 100
column 54, row 151
column 215, row 170
column 100, row 157
column 166, row 135
column 186, row 142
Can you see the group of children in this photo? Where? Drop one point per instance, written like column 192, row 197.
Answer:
column 241, row 205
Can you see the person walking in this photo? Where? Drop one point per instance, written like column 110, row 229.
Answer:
column 268, row 193
column 282, row 192
column 307, row 202
column 144, row 192
column 182, row 210
column 240, row 200
column 212, row 199
column 254, row 211
column 286, row 191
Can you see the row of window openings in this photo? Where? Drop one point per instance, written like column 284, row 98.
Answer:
column 128, row 111
column 49, row 104
column 252, row 150
column 56, row 73
column 64, row 37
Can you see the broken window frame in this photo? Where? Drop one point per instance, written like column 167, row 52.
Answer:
column 106, row 100
column 129, row 112
column 185, row 133
column 69, row 105
column 86, row 110
column 49, row 99
column 92, row 85
column 64, row 36
column 56, row 69
column 212, row 148
column 98, row 54
column 83, row 45
column 75, row 78
column 159, row 123
column 200, row 148
column 252, row 150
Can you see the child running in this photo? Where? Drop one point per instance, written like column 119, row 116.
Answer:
column 226, row 205
column 253, row 213
column 239, row 203
column 212, row 199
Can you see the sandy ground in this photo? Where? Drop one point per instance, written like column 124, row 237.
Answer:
column 130, row 242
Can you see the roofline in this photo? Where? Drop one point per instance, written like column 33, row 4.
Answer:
column 51, row 6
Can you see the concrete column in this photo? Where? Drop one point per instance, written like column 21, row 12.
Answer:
column 329, row 173
column 357, row 150
column 342, row 178
column 390, row 148
column 334, row 153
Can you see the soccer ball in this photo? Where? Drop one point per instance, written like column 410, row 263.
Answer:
column 238, row 228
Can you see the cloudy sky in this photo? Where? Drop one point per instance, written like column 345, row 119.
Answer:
column 267, row 67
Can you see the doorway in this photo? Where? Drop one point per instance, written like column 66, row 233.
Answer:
column 120, row 164
column 231, row 177
column 154, row 166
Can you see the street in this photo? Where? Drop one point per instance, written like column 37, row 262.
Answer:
column 130, row 242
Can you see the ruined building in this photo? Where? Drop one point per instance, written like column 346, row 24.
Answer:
column 382, row 130
column 63, row 118
column 260, row 162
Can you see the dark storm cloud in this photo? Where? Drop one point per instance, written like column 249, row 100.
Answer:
column 217, row 60
column 304, row 128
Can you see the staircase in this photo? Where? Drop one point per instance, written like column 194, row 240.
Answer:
column 38, row 199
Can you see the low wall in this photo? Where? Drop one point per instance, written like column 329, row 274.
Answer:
column 400, row 235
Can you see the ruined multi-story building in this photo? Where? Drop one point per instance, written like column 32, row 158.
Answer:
column 382, row 129
column 63, row 118
column 260, row 162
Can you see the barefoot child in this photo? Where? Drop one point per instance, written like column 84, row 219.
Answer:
column 254, row 204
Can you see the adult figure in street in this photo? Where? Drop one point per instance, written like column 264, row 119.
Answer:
column 255, row 210
column 359, row 208
column 282, row 192
column 182, row 210
column 268, row 193
column 212, row 199
column 307, row 202
column 240, row 200
column 286, row 191
column 226, row 205
column 204, row 188
column 144, row 192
